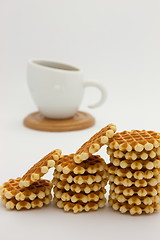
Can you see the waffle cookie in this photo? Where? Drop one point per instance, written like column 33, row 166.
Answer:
column 40, row 168
column 129, row 172
column 135, row 140
column 67, row 165
column 26, row 204
column 132, row 181
column 137, row 200
column 133, row 155
column 76, row 197
column 148, row 164
column 81, row 179
column 134, row 209
column 40, row 189
column 95, row 143
column 141, row 192
column 79, row 206
column 86, row 188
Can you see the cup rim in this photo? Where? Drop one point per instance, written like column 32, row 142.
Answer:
column 39, row 63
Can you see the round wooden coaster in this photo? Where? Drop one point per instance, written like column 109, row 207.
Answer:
column 37, row 121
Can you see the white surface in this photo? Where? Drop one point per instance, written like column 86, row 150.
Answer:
column 116, row 42
column 51, row 85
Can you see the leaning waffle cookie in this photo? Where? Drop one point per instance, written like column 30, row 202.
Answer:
column 134, row 209
column 135, row 140
column 141, row 192
column 137, row 164
column 137, row 200
column 95, row 143
column 86, row 188
column 82, row 197
column 40, row 168
column 133, row 155
column 79, row 206
column 129, row 173
column 39, row 189
column 27, row 204
column 132, row 181
column 80, row 179
column 93, row 164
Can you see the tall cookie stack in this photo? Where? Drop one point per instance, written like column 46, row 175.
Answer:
column 134, row 171
column 80, row 179
column 30, row 191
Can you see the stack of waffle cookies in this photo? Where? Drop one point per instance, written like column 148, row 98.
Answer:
column 30, row 191
column 134, row 171
column 80, row 179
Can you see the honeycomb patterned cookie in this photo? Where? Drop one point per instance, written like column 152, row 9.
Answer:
column 11, row 204
column 133, row 155
column 147, row 200
column 132, row 181
column 86, row 188
column 80, row 179
column 39, row 189
column 137, row 164
column 134, row 209
column 130, row 191
column 95, row 143
column 135, row 140
column 129, row 173
column 79, row 206
column 40, row 168
column 92, row 165
column 79, row 197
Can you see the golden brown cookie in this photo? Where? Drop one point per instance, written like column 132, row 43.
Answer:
column 94, row 187
column 39, row 189
column 79, row 206
column 135, row 140
column 130, row 191
column 79, row 197
column 27, row 204
column 80, row 179
column 132, row 181
column 136, row 164
column 133, row 155
column 129, row 172
column 92, row 165
column 95, row 143
column 40, row 168
column 134, row 209
column 137, row 200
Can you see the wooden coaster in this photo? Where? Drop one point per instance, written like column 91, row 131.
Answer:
column 37, row 121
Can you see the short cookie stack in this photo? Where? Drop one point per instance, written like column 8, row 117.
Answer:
column 36, row 195
column 30, row 191
column 80, row 179
column 134, row 172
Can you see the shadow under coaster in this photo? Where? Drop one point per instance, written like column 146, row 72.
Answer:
column 37, row 121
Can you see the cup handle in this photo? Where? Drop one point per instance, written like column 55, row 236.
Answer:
column 102, row 90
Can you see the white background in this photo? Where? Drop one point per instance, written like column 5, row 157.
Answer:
column 115, row 42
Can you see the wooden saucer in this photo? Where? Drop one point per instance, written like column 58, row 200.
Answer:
column 37, row 121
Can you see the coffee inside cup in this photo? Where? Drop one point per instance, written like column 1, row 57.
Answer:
column 56, row 65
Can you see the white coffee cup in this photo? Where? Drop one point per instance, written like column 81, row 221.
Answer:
column 57, row 89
